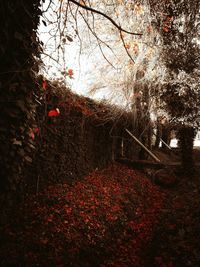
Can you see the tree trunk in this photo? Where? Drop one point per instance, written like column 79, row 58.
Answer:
column 186, row 138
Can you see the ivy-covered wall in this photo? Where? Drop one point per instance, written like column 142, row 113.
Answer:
column 82, row 137
column 19, row 53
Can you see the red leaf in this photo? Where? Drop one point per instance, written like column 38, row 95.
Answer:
column 31, row 134
column 127, row 46
column 165, row 29
column 70, row 73
column 37, row 130
column 54, row 113
column 44, row 84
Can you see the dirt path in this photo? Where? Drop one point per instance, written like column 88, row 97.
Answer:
column 176, row 242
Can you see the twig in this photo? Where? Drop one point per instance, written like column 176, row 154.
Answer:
column 121, row 36
column 98, row 40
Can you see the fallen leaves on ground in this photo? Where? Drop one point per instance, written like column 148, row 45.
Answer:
column 106, row 219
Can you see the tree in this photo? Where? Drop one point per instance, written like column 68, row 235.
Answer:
column 178, row 24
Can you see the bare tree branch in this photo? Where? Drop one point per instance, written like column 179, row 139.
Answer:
column 104, row 15
column 50, row 2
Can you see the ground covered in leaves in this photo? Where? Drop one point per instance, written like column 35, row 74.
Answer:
column 106, row 219
column 114, row 217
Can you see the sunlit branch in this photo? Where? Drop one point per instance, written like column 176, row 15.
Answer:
column 98, row 40
column 93, row 24
column 49, row 56
column 50, row 2
column 126, row 48
column 77, row 32
column 104, row 15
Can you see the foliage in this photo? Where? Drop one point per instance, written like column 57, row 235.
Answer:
column 19, row 51
column 74, row 135
column 181, row 57
column 180, row 94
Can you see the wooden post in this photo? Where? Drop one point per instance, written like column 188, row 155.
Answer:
column 146, row 149
column 122, row 147
column 164, row 142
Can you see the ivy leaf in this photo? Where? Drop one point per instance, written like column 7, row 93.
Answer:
column 44, row 84
column 21, row 152
column 54, row 113
column 17, row 142
column 28, row 159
